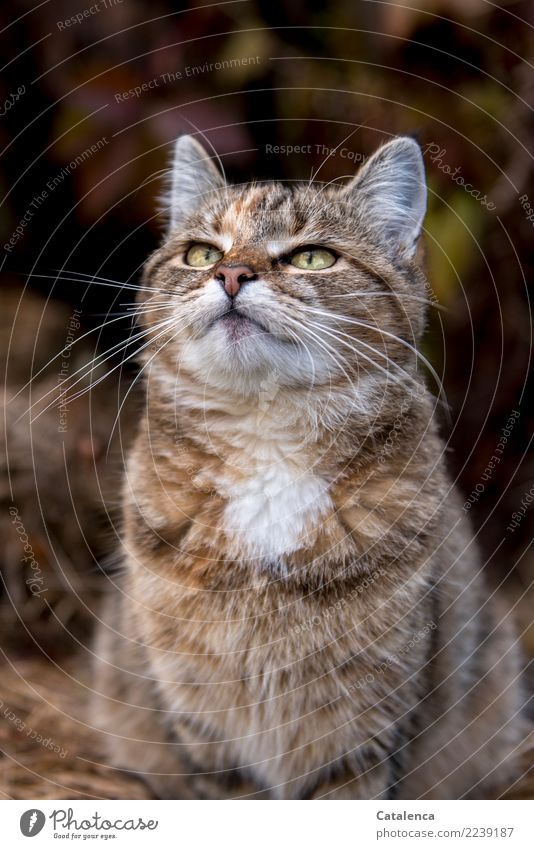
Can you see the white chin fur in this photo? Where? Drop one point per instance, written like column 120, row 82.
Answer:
column 220, row 358
column 217, row 360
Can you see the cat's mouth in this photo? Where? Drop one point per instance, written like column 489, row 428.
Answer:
column 238, row 324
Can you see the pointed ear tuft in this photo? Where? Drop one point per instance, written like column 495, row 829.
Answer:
column 192, row 177
column 389, row 195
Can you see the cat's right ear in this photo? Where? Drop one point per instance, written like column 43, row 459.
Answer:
column 192, row 177
column 389, row 195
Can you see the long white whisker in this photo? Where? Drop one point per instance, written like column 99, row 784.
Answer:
column 97, row 277
column 76, row 341
column 341, row 334
column 324, row 346
column 390, row 335
column 135, row 305
column 136, row 378
column 87, row 368
column 111, row 284
column 338, row 336
column 135, row 353
column 400, row 298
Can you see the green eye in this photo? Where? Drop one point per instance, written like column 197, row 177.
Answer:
column 313, row 259
column 201, row 255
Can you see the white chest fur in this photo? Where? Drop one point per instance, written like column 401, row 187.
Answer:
column 272, row 505
column 274, row 497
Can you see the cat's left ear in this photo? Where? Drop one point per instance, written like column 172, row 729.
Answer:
column 389, row 195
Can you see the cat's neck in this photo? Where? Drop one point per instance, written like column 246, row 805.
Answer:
column 274, row 459
column 270, row 421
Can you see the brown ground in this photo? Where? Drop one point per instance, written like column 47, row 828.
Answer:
column 47, row 701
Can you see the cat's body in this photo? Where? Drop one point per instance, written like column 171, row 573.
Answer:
column 302, row 612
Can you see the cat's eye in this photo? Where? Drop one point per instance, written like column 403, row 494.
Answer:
column 201, row 255
column 313, row 259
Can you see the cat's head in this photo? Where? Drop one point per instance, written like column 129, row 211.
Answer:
column 315, row 283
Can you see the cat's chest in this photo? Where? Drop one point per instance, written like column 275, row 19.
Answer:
column 273, row 502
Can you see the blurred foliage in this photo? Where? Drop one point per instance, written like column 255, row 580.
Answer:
column 455, row 73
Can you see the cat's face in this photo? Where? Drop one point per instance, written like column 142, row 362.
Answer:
column 312, row 283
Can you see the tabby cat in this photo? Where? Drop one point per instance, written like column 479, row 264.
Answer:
column 302, row 612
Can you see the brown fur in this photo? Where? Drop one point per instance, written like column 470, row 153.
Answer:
column 365, row 661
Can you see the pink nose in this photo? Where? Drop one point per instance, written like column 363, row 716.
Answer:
column 232, row 277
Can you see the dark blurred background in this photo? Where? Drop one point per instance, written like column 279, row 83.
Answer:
column 456, row 74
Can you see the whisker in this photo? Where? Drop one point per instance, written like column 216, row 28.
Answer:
column 337, row 335
column 74, row 342
column 140, row 309
column 354, row 340
column 390, row 335
column 322, row 343
column 136, row 378
column 399, row 297
column 108, row 283
column 87, row 368
column 90, row 277
column 137, row 305
column 81, row 392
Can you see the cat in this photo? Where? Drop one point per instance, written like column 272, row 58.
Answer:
column 302, row 612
